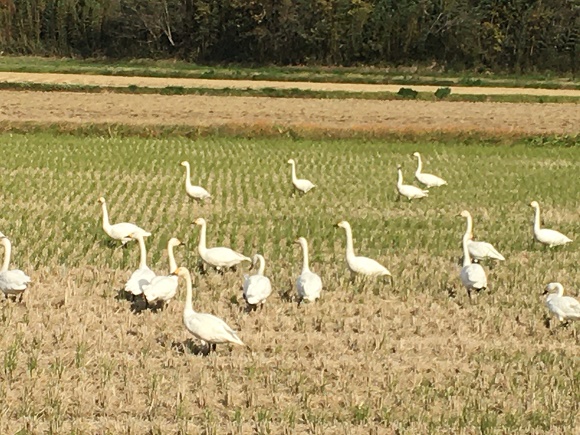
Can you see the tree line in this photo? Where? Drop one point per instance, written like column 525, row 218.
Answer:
column 498, row 35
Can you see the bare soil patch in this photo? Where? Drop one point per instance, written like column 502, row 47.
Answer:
column 348, row 114
column 161, row 82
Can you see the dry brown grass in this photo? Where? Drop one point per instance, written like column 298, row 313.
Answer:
column 413, row 357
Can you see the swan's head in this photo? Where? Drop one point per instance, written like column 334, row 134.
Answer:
column 2, row 236
column 101, row 200
column 553, row 286
column 465, row 214
column 534, row 204
column 174, row 242
column 292, row 162
column 300, row 241
column 399, row 167
column 181, row 271
column 184, row 163
column 199, row 221
column 416, row 154
column 256, row 260
column 343, row 224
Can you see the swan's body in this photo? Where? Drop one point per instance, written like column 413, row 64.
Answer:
column 361, row 265
column 429, row 180
column 120, row 231
column 472, row 274
column 562, row 307
column 220, row 258
column 408, row 191
column 543, row 235
column 164, row 287
column 300, row 184
column 143, row 275
column 479, row 250
column 195, row 192
column 205, row 327
column 308, row 284
column 257, row 287
column 15, row 281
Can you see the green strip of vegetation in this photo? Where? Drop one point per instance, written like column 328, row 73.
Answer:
column 285, row 93
column 265, row 131
column 368, row 75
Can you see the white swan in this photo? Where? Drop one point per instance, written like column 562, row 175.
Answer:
column 301, row 184
column 120, row 231
column 479, row 250
column 543, row 235
column 196, row 192
column 257, row 287
column 164, row 287
column 562, row 307
column 205, row 327
column 429, row 180
column 408, row 191
column 217, row 257
column 472, row 274
column 143, row 275
column 15, row 281
column 362, row 265
column 308, row 284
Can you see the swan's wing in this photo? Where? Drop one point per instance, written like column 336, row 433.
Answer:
column 214, row 330
column 13, row 280
column 412, row 191
column 224, row 256
column 554, row 237
column 198, row 192
column 139, row 279
column 370, row 267
column 258, row 290
column 570, row 306
column 309, row 285
column 124, row 229
column 304, row 185
column 483, row 250
column 430, row 180
column 162, row 288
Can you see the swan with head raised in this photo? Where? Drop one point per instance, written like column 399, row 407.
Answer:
column 220, row 257
column 479, row 250
column 301, row 184
column 195, row 192
column 308, row 284
column 164, row 287
column 408, row 191
column 472, row 274
column 12, row 282
column 543, row 235
column 121, row 231
column 563, row 307
column 429, row 180
column 257, row 287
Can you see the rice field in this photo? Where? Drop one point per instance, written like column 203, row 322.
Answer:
column 411, row 356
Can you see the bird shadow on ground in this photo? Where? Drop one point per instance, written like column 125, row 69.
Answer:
column 138, row 303
column 185, row 347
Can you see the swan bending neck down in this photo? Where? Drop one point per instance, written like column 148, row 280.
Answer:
column 219, row 257
column 15, row 281
column 563, row 307
column 479, row 250
column 546, row 236
column 257, row 288
column 308, row 284
column 362, row 265
column 206, row 327
column 196, row 192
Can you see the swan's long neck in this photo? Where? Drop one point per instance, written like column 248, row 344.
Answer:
column 305, row 267
column 189, row 294
column 400, row 178
column 262, row 265
column 466, row 257
column 560, row 288
column 469, row 229
column 7, row 252
column 349, row 244
column 537, row 219
column 143, row 253
column 187, row 176
column 419, row 165
column 293, row 171
column 172, row 262
column 106, row 223
column 201, row 247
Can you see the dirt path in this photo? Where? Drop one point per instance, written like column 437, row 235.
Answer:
column 348, row 114
column 159, row 82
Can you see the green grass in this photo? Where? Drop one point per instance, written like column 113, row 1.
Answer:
column 385, row 75
column 283, row 93
column 379, row 358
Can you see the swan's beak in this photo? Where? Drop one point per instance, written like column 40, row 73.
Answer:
column 174, row 273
